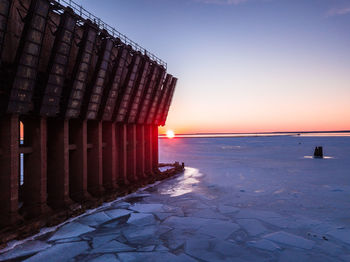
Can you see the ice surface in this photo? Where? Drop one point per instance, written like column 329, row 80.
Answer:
column 241, row 199
column 105, row 258
column 140, row 219
column 116, row 213
column 112, row 247
column 25, row 249
column 73, row 229
column 147, row 208
column 264, row 244
column 60, row 252
column 252, row 226
column 94, row 219
column 289, row 239
column 341, row 234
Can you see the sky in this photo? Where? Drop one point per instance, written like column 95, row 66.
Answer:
column 245, row 65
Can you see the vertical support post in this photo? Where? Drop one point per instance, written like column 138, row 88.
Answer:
column 58, row 163
column 131, row 153
column 155, row 153
column 94, row 157
column 35, row 186
column 78, row 160
column 122, row 154
column 148, row 150
column 109, row 156
column 140, row 151
column 9, row 169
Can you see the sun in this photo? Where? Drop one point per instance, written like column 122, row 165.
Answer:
column 170, row 134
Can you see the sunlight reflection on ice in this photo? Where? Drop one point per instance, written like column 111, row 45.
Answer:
column 185, row 184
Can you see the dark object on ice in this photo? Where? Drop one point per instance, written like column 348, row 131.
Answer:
column 318, row 152
column 183, row 165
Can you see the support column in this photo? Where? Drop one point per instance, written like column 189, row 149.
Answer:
column 131, row 153
column 109, row 156
column 148, row 150
column 9, row 169
column 122, row 154
column 78, row 160
column 35, row 186
column 140, row 151
column 94, row 156
column 155, row 154
column 58, row 163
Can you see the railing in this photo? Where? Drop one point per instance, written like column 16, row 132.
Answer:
column 81, row 11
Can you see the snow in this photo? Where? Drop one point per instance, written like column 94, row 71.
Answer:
column 240, row 199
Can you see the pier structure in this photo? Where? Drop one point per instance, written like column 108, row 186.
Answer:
column 80, row 106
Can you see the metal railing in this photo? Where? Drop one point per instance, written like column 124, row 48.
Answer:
column 82, row 12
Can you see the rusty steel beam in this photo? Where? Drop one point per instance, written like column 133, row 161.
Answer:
column 27, row 58
column 112, row 88
column 140, row 151
column 131, row 153
column 168, row 100
column 138, row 92
column 123, row 105
column 58, row 163
column 155, row 149
column 162, row 99
column 78, row 166
column 94, row 157
column 155, row 98
column 109, row 156
column 57, row 67
column 35, row 168
column 146, row 99
column 148, row 150
column 74, row 92
column 9, row 169
column 121, row 140
column 94, row 92
column 4, row 16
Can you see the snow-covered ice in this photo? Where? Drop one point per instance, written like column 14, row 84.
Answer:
column 240, row 199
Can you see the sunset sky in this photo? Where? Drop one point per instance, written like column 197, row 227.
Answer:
column 245, row 65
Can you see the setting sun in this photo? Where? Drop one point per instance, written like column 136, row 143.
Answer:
column 170, row 134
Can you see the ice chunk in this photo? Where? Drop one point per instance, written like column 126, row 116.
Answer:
column 219, row 229
column 94, row 219
column 146, row 248
column 200, row 248
column 105, row 258
column 191, row 223
column 136, row 234
column 264, row 244
column 116, row 213
column 25, row 249
column 60, row 252
column 341, row 234
column 147, row 208
column 224, row 209
column 112, row 247
column 72, row 229
column 289, row 239
column 159, row 256
column 252, row 226
column 100, row 240
column 140, row 219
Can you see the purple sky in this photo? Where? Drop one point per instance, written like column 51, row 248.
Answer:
column 246, row 65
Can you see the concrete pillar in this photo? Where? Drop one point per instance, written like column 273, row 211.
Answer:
column 58, row 163
column 9, row 169
column 109, row 156
column 140, row 151
column 131, row 153
column 121, row 139
column 35, row 170
column 155, row 153
column 94, row 157
column 148, row 150
column 78, row 160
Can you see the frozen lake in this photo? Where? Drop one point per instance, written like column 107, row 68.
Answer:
column 240, row 199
